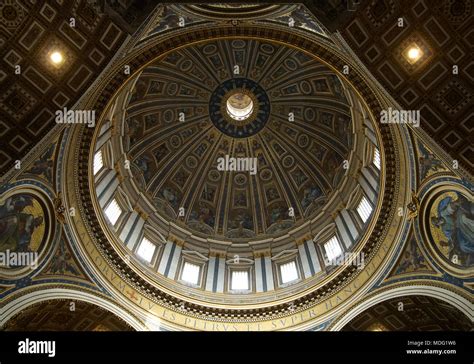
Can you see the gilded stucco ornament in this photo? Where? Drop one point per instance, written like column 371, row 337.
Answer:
column 59, row 208
column 318, row 298
column 414, row 206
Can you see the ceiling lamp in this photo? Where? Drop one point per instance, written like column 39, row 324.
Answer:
column 414, row 53
column 56, row 58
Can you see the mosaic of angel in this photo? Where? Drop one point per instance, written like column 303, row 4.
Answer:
column 22, row 224
column 453, row 217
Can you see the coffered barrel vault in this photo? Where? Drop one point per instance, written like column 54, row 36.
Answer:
column 29, row 33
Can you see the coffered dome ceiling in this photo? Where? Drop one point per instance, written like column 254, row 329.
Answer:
column 178, row 124
column 237, row 176
column 235, row 156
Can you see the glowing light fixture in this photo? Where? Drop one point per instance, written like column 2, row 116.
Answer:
column 414, row 53
column 56, row 57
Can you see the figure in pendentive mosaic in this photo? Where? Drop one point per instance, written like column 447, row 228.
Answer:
column 22, row 224
column 452, row 226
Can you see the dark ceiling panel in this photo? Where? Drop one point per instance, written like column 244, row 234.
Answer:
column 410, row 313
column 29, row 31
column 444, row 30
column 65, row 315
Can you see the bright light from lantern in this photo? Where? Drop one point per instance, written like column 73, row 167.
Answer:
column 239, row 106
column 56, row 57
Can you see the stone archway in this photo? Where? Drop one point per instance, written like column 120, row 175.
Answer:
column 419, row 305
column 52, row 310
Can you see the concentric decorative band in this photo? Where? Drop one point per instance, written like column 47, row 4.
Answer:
column 373, row 243
column 244, row 128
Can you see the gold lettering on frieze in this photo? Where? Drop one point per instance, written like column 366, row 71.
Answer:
column 369, row 267
column 295, row 318
column 199, row 324
column 84, row 237
column 105, row 270
column 98, row 261
column 187, row 321
column 171, row 316
column 328, row 304
column 113, row 277
column 121, row 286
